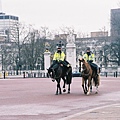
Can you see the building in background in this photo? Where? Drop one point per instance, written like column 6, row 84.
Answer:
column 8, row 27
column 99, row 34
column 62, row 36
column 115, row 22
column 9, row 33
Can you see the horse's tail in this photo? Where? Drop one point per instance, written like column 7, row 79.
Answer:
column 96, row 80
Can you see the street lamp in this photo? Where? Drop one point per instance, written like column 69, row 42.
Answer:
column 2, row 63
column 17, row 65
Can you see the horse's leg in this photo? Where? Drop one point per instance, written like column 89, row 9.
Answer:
column 64, row 90
column 58, row 87
column 86, row 89
column 98, row 82
column 68, row 88
column 89, row 84
column 68, row 80
column 91, row 88
column 60, row 92
column 83, row 83
column 96, row 89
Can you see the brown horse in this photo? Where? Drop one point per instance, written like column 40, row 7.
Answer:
column 87, row 76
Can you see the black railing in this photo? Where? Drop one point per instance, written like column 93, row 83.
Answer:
column 38, row 74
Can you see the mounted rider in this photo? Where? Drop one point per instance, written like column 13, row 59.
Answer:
column 90, row 58
column 59, row 59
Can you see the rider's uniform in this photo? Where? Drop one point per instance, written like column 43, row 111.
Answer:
column 59, row 56
column 91, row 57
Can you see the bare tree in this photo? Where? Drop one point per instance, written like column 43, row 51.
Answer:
column 115, row 34
column 115, row 51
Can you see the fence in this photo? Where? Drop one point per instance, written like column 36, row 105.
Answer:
column 114, row 74
column 23, row 74
column 42, row 74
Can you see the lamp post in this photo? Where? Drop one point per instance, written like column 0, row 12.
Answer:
column 2, row 63
column 17, row 65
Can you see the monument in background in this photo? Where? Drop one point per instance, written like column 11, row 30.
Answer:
column 47, row 60
column 70, row 53
column 71, row 50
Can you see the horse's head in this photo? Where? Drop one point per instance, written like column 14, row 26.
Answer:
column 84, row 64
column 86, row 69
column 81, row 60
column 50, row 72
column 55, row 73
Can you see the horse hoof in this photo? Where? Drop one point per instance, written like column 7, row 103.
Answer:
column 96, row 92
column 68, row 92
column 64, row 90
column 56, row 94
column 53, row 80
column 88, row 93
column 60, row 93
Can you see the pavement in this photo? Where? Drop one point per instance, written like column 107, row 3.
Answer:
column 28, row 99
column 105, row 112
column 108, row 112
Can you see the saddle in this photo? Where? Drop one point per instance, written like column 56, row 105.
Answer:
column 95, row 68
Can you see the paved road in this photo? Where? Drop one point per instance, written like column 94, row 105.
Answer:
column 35, row 99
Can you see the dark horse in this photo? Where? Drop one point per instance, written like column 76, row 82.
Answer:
column 60, row 72
column 88, row 74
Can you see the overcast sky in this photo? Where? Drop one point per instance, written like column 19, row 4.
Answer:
column 83, row 15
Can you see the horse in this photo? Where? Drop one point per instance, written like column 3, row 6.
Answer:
column 60, row 72
column 88, row 74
